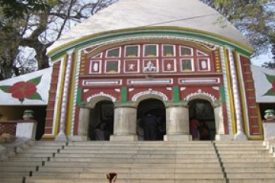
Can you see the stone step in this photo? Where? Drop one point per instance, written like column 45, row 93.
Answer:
column 247, row 160
column 127, row 165
column 17, row 169
column 250, row 170
column 249, row 164
column 133, row 176
column 149, row 152
column 12, row 180
column 254, row 180
column 20, row 164
column 121, row 180
column 160, row 161
column 24, row 159
column 224, row 156
column 34, row 155
column 13, row 174
column 240, row 175
column 242, row 152
column 144, row 155
column 128, row 170
column 39, row 151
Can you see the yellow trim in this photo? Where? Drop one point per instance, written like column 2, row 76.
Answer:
column 242, row 93
column 60, row 93
column 260, row 121
column 229, row 87
column 71, row 97
column 151, row 28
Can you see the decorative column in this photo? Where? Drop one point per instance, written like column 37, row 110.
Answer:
column 61, row 135
column 125, row 123
column 226, row 89
column 237, row 105
column 177, row 122
column 219, row 123
column 84, row 119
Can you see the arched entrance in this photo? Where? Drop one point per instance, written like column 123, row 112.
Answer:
column 101, row 123
column 202, row 120
column 151, row 120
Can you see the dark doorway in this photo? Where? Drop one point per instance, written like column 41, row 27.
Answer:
column 202, row 120
column 151, row 120
column 102, row 121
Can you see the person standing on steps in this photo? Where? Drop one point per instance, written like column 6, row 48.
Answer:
column 194, row 129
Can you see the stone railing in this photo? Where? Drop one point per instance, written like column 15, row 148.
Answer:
column 19, row 128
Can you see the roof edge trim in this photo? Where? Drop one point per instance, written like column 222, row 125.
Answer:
column 214, row 38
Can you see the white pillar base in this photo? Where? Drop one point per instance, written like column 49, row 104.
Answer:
column 128, row 138
column 224, row 137
column 78, row 138
column 182, row 138
column 240, row 136
column 61, row 137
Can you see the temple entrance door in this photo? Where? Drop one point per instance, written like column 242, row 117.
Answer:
column 151, row 120
column 202, row 120
column 101, row 124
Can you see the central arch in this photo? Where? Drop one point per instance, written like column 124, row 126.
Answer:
column 151, row 120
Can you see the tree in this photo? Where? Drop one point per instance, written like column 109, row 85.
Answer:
column 254, row 18
column 35, row 25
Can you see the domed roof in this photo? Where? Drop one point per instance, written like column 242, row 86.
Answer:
column 191, row 14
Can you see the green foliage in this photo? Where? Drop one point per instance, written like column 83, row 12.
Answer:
column 35, row 81
column 5, row 88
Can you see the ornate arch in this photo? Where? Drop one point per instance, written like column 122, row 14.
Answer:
column 202, row 95
column 149, row 94
column 94, row 99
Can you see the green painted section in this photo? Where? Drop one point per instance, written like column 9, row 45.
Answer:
column 173, row 32
column 176, row 94
column 222, row 92
column 124, row 95
column 78, row 97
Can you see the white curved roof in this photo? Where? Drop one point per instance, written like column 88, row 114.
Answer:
column 138, row 13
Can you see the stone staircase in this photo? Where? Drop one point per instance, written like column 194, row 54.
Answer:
column 141, row 162
column 247, row 162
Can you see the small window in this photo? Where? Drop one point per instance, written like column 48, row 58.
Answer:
column 150, row 50
column 187, row 65
column 113, row 53
column 204, row 64
column 132, row 51
column 168, row 51
column 95, row 66
column 186, row 51
column 112, row 66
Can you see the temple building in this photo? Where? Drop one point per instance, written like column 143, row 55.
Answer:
column 153, row 64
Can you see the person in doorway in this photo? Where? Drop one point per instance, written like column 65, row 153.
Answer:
column 194, row 129
column 150, row 127
column 204, row 131
column 100, row 131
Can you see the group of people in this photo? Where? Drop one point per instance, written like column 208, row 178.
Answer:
column 151, row 127
column 199, row 130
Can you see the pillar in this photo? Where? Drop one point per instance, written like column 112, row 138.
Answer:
column 124, row 123
column 177, row 123
column 240, row 135
column 83, row 125
column 63, row 116
column 219, row 122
